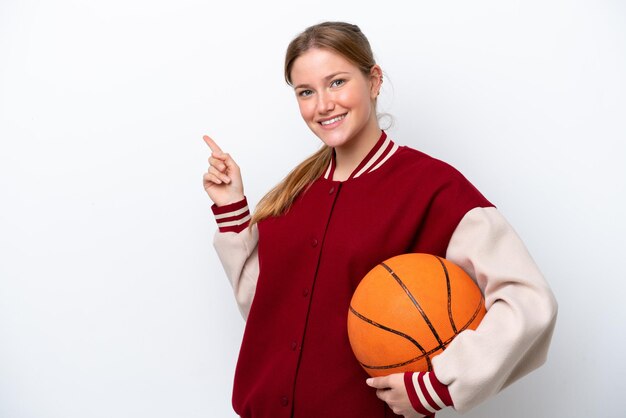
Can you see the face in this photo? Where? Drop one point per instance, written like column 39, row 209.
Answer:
column 337, row 101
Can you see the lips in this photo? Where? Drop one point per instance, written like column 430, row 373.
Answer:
column 332, row 120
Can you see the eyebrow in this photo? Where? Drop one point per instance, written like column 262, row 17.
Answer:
column 328, row 77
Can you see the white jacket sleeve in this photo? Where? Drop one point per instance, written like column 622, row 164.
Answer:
column 236, row 247
column 238, row 253
column 514, row 335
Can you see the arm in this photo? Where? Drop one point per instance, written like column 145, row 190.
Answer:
column 236, row 247
column 511, row 340
column 514, row 335
column 236, row 244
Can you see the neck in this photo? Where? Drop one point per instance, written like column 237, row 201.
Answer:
column 350, row 155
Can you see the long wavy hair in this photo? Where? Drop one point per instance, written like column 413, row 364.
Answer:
column 347, row 40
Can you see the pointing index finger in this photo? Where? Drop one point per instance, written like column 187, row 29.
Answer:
column 214, row 147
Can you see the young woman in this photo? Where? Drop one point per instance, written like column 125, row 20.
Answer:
column 359, row 200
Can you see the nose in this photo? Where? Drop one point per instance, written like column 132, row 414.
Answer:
column 325, row 103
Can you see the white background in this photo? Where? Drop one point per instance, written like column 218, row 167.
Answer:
column 112, row 300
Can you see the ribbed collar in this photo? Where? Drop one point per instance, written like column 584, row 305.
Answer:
column 378, row 155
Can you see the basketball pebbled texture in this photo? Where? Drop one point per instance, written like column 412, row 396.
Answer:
column 407, row 310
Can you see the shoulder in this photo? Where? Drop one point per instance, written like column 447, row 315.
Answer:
column 417, row 162
column 436, row 178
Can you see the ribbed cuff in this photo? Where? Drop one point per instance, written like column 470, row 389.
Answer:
column 234, row 217
column 426, row 393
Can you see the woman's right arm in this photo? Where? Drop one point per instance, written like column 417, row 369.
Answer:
column 235, row 243
column 237, row 249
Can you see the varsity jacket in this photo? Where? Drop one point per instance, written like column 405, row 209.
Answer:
column 294, row 275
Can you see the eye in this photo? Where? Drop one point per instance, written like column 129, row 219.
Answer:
column 305, row 93
column 338, row 82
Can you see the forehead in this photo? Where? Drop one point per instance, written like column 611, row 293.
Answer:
column 318, row 63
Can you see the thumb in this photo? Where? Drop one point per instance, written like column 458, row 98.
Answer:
column 226, row 159
column 378, row 382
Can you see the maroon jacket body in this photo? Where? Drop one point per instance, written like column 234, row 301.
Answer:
column 295, row 358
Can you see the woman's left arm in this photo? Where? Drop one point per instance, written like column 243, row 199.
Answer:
column 512, row 339
column 514, row 336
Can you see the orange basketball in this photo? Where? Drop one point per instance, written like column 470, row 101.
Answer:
column 407, row 310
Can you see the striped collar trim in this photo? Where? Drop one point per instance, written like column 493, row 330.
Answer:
column 378, row 155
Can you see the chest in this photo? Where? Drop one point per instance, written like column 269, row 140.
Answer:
column 344, row 227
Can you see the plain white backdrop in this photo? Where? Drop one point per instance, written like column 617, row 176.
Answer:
column 112, row 300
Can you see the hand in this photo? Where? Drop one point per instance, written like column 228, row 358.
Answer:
column 222, row 181
column 391, row 389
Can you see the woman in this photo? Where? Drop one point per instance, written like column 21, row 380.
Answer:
column 359, row 200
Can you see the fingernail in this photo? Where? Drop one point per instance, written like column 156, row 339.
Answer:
column 369, row 381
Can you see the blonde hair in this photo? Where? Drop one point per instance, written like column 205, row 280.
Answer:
column 347, row 40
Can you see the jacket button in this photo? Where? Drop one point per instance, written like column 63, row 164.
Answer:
column 284, row 401
column 332, row 189
column 305, row 292
column 294, row 345
column 314, row 242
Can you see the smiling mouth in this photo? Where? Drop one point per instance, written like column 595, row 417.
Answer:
column 333, row 120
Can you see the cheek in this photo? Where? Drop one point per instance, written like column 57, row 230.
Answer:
column 354, row 99
column 307, row 109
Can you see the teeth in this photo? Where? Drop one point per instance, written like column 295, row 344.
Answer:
column 333, row 120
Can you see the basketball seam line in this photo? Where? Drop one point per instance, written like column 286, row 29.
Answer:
column 393, row 331
column 415, row 302
column 448, row 286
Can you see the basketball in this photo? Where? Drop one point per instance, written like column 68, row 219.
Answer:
column 407, row 310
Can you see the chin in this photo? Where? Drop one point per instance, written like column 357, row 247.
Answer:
column 331, row 138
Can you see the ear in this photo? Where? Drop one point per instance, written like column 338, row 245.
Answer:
column 376, row 79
